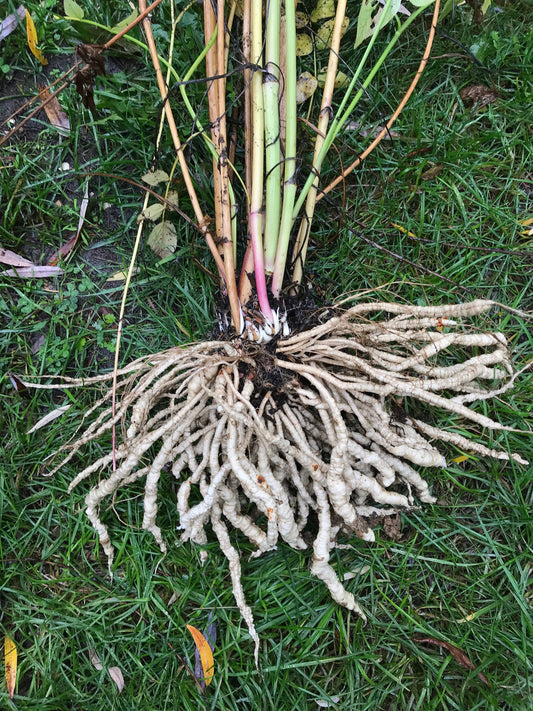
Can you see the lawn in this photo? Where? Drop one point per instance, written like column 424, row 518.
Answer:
column 435, row 215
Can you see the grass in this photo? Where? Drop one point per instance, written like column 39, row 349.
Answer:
column 459, row 571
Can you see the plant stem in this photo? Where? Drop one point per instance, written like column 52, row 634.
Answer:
column 289, row 186
column 272, row 134
column 200, row 217
column 300, row 247
column 256, row 197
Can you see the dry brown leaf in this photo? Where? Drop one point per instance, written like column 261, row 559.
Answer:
column 458, row 654
column 163, row 239
column 57, row 117
column 65, row 249
column 432, row 173
column 10, row 661
column 478, row 95
column 12, row 21
column 95, row 659
column 15, row 260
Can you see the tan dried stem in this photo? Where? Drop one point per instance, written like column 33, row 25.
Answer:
column 200, row 217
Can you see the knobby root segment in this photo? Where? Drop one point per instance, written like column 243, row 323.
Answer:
column 327, row 424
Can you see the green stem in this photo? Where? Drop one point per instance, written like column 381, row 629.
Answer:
column 272, row 134
column 289, row 187
column 341, row 118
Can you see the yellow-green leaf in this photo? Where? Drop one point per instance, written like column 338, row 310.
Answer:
column 31, row 33
column 304, row 44
column 323, row 10
column 72, row 9
column 206, row 655
column 325, row 33
column 306, row 85
column 154, row 177
column 10, row 658
column 124, row 23
column 341, row 80
column 152, row 212
column 163, row 239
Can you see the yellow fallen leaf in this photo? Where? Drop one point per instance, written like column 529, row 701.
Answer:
column 206, row 655
column 323, row 10
column 325, row 33
column 460, row 459
column 306, row 85
column 163, row 239
column 304, row 44
column 10, row 657
column 31, row 33
column 154, row 177
column 402, row 229
column 341, row 80
column 120, row 276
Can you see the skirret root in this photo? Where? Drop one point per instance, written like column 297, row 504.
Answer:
column 325, row 428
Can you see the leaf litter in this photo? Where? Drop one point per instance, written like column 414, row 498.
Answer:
column 460, row 657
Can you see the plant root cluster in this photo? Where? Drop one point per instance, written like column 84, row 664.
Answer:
column 326, row 427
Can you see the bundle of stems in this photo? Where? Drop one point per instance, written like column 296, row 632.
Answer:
column 268, row 431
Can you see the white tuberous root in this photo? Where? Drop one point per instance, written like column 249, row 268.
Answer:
column 328, row 424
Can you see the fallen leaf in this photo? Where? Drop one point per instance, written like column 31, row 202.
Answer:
column 323, row 704
column 12, row 21
column 152, row 212
column 304, row 44
column 432, row 173
column 33, row 272
column 462, row 458
column 9, row 257
column 72, row 9
column 16, row 382
column 31, row 33
column 66, row 248
column 10, row 659
column 206, row 654
column 478, row 95
column 323, row 10
column 116, row 674
column 120, row 276
column 95, row 659
column 306, row 85
column 458, row 654
column 210, row 633
column 57, row 117
column 163, row 239
column 154, row 177
column 358, row 571
column 49, row 417
column 325, row 33
column 341, row 80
